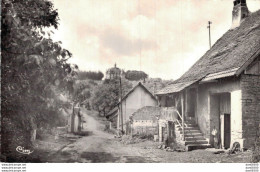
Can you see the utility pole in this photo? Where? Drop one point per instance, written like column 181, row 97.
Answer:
column 209, row 22
column 121, row 110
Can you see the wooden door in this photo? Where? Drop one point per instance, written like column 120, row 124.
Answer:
column 222, row 133
column 227, row 132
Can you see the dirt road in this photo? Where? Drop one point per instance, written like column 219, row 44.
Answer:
column 98, row 146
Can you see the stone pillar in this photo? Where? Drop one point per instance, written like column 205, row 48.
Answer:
column 236, row 117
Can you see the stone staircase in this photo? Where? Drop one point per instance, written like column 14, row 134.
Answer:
column 193, row 137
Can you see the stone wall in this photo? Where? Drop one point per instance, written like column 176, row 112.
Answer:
column 145, row 127
column 250, row 85
column 145, row 120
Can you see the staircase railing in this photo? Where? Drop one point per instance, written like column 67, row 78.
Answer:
column 183, row 127
column 179, row 123
column 182, row 124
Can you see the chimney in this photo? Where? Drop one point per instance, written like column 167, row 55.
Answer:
column 240, row 11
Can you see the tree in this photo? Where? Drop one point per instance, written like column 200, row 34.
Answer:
column 81, row 91
column 34, row 72
column 106, row 95
column 134, row 75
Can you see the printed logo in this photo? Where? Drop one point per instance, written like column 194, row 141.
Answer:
column 21, row 149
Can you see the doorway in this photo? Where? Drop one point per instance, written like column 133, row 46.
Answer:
column 225, row 131
column 220, row 116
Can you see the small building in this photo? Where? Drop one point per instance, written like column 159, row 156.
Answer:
column 151, row 120
column 135, row 99
column 145, row 121
column 221, row 91
column 75, row 121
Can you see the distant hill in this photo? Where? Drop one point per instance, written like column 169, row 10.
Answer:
column 88, row 82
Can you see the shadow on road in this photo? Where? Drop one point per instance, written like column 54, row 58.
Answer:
column 102, row 157
column 96, row 157
column 84, row 133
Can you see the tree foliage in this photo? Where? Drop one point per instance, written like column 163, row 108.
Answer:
column 107, row 94
column 34, row 70
column 134, row 75
column 90, row 75
column 81, row 91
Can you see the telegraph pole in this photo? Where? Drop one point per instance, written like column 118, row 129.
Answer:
column 209, row 22
column 121, row 110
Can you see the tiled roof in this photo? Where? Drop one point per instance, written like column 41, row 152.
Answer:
column 173, row 88
column 233, row 50
column 147, row 113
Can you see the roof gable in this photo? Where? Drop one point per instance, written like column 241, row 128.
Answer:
column 114, row 110
column 133, row 89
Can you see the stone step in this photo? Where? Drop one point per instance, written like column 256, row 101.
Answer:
column 190, row 131
column 196, row 142
column 191, row 147
column 194, row 138
column 191, row 125
column 187, row 125
column 190, row 121
column 188, row 128
column 193, row 134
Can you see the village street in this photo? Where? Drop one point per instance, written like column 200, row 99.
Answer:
column 98, row 146
column 101, row 147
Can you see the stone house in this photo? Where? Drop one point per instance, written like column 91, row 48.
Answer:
column 135, row 99
column 145, row 121
column 222, row 89
column 75, row 121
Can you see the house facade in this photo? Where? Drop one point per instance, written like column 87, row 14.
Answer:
column 135, row 99
column 221, row 91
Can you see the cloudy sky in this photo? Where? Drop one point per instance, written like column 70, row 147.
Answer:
column 161, row 37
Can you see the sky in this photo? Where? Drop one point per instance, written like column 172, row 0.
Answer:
column 163, row 38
